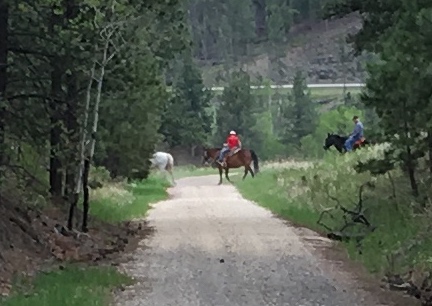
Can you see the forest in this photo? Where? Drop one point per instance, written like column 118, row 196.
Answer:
column 88, row 85
column 226, row 31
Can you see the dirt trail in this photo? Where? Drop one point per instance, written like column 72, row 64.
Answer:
column 212, row 247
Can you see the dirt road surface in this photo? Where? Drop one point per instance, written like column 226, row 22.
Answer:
column 214, row 248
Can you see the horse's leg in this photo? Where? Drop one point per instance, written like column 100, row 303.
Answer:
column 220, row 174
column 169, row 167
column 251, row 171
column 245, row 172
column 162, row 171
column 226, row 174
column 172, row 177
column 248, row 169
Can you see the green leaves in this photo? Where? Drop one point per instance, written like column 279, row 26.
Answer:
column 186, row 120
column 300, row 117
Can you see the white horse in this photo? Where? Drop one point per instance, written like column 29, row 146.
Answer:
column 165, row 162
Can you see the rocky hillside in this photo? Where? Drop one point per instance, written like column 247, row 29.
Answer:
column 318, row 49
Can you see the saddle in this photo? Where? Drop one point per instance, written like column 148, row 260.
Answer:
column 230, row 153
column 360, row 141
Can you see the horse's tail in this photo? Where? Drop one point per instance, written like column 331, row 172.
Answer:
column 255, row 161
column 170, row 162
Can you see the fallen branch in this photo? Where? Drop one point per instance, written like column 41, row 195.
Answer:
column 350, row 218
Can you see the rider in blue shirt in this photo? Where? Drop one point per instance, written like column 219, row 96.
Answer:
column 356, row 135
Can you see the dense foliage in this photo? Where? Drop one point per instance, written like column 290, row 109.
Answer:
column 64, row 65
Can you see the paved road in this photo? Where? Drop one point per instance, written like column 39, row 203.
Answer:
column 214, row 248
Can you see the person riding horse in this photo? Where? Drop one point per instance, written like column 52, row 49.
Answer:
column 232, row 143
column 356, row 135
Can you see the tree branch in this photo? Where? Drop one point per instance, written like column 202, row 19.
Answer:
column 350, row 217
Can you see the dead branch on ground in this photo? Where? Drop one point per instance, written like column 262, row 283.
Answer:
column 350, row 218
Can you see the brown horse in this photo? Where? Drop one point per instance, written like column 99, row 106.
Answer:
column 242, row 158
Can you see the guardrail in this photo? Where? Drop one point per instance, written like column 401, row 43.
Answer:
column 288, row 86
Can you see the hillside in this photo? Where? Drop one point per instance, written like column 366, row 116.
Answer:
column 318, row 48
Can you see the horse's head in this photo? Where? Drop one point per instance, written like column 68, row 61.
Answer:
column 329, row 141
column 209, row 155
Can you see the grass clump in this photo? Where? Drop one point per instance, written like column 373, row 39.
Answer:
column 300, row 194
column 72, row 286
column 116, row 202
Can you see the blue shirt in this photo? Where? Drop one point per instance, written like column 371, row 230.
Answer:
column 358, row 130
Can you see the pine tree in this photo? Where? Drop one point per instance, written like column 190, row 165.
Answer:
column 187, row 119
column 237, row 108
column 300, row 116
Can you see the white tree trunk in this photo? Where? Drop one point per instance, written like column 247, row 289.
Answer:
column 78, row 186
column 105, row 61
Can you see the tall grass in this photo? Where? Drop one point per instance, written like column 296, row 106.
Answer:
column 72, row 286
column 300, row 194
column 116, row 202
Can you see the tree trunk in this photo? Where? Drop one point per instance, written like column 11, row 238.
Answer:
column 55, row 110
column 411, row 172
column 90, row 154
column 71, row 124
column 55, row 171
column 429, row 142
column 79, row 178
column 260, row 19
column 71, row 118
column 86, row 198
column 4, row 14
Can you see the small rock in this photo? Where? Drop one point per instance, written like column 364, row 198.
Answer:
column 222, row 260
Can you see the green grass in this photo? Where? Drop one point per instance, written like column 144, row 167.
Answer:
column 299, row 195
column 121, row 202
column 73, row 286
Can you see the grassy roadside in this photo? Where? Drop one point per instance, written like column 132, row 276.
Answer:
column 91, row 286
column 121, row 202
column 73, row 286
column 300, row 194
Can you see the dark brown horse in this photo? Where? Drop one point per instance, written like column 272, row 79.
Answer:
column 242, row 158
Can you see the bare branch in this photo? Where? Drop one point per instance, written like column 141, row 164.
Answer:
column 349, row 217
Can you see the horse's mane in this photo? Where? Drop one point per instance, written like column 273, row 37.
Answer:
column 337, row 136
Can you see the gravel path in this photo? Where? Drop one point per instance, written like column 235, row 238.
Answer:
column 212, row 247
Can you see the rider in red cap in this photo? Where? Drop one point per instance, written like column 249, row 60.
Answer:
column 232, row 142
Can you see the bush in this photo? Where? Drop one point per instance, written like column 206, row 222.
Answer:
column 99, row 174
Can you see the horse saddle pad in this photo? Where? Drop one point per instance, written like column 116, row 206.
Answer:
column 360, row 141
